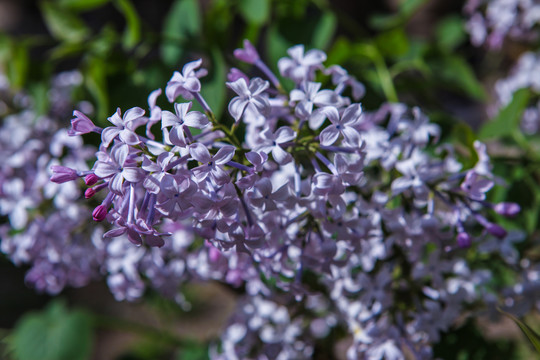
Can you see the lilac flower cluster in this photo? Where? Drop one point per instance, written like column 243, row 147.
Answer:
column 329, row 215
column 491, row 21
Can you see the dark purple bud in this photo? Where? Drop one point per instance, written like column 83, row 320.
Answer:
column 62, row 174
column 248, row 54
column 99, row 213
column 81, row 124
column 496, row 230
column 91, row 179
column 89, row 193
column 507, row 209
column 235, row 74
column 464, row 240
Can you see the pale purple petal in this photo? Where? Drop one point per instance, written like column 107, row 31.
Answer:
column 168, row 119
column 236, row 107
column 284, row 134
column 200, row 153
column 329, row 135
column 104, row 170
column 108, row 134
column 224, row 155
column 281, row 156
column 133, row 114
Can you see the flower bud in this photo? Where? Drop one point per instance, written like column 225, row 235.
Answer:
column 91, row 179
column 464, row 240
column 99, row 213
column 248, row 54
column 89, row 193
column 81, row 124
column 507, row 209
column 235, row 74
column 496, row 230
column 62, row 174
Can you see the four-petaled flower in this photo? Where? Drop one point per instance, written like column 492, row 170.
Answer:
column 119, row 168
column 124, row 127
column 250, row 98
column 181, row 121
column 187, row 83
column 211, row 165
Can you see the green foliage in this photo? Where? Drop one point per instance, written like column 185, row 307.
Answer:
column 55, row 333
column 81, row 5
column 132, row 33
column 407, row 8
column 182, row 23
column 255, row 12
column 63, row 24
column 507, row 121
column 450, row 33
column 533, row 336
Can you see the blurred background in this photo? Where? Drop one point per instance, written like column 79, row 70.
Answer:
column 415, row 51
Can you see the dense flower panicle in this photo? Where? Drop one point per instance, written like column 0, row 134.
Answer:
column 311, row 211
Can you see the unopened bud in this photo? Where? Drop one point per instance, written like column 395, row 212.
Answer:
column 99, row 213
column 496, row 230
column 91, row 179
column 464, row 240
column 62, row 174
column 507, row 209
column 89, row 193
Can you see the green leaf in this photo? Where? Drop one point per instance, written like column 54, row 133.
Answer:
column 508, row 118
column 63, row 24
column 534, row 338
column 324, row 31
column 255, row 12
column 406, row 9
column 182, row 23
column 96, row 82
column 213, row 89
column 450, row 33
column 18, row 65
column 52, row 334
column 81, row 5
column 455, row 72
column 132, row 33
column 392, row 43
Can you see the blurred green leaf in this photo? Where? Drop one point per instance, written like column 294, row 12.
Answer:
column 392, row 43
column 193, row 351
column 450, row 33
column 340, row 51
column 18, row 65
column 508, row 118
column 63, row 24
column 255, row 11
column 464, row 135
column 407, row 8
column 81, row 5
column 458, row 74
column 534, row 338
column 66, row 49
column 95, row 76
column 104, row 42
column 182, row 22
column 132, row 34
column 213, row 90
column 52, row 334
column 40, row 95
column 324, row 31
